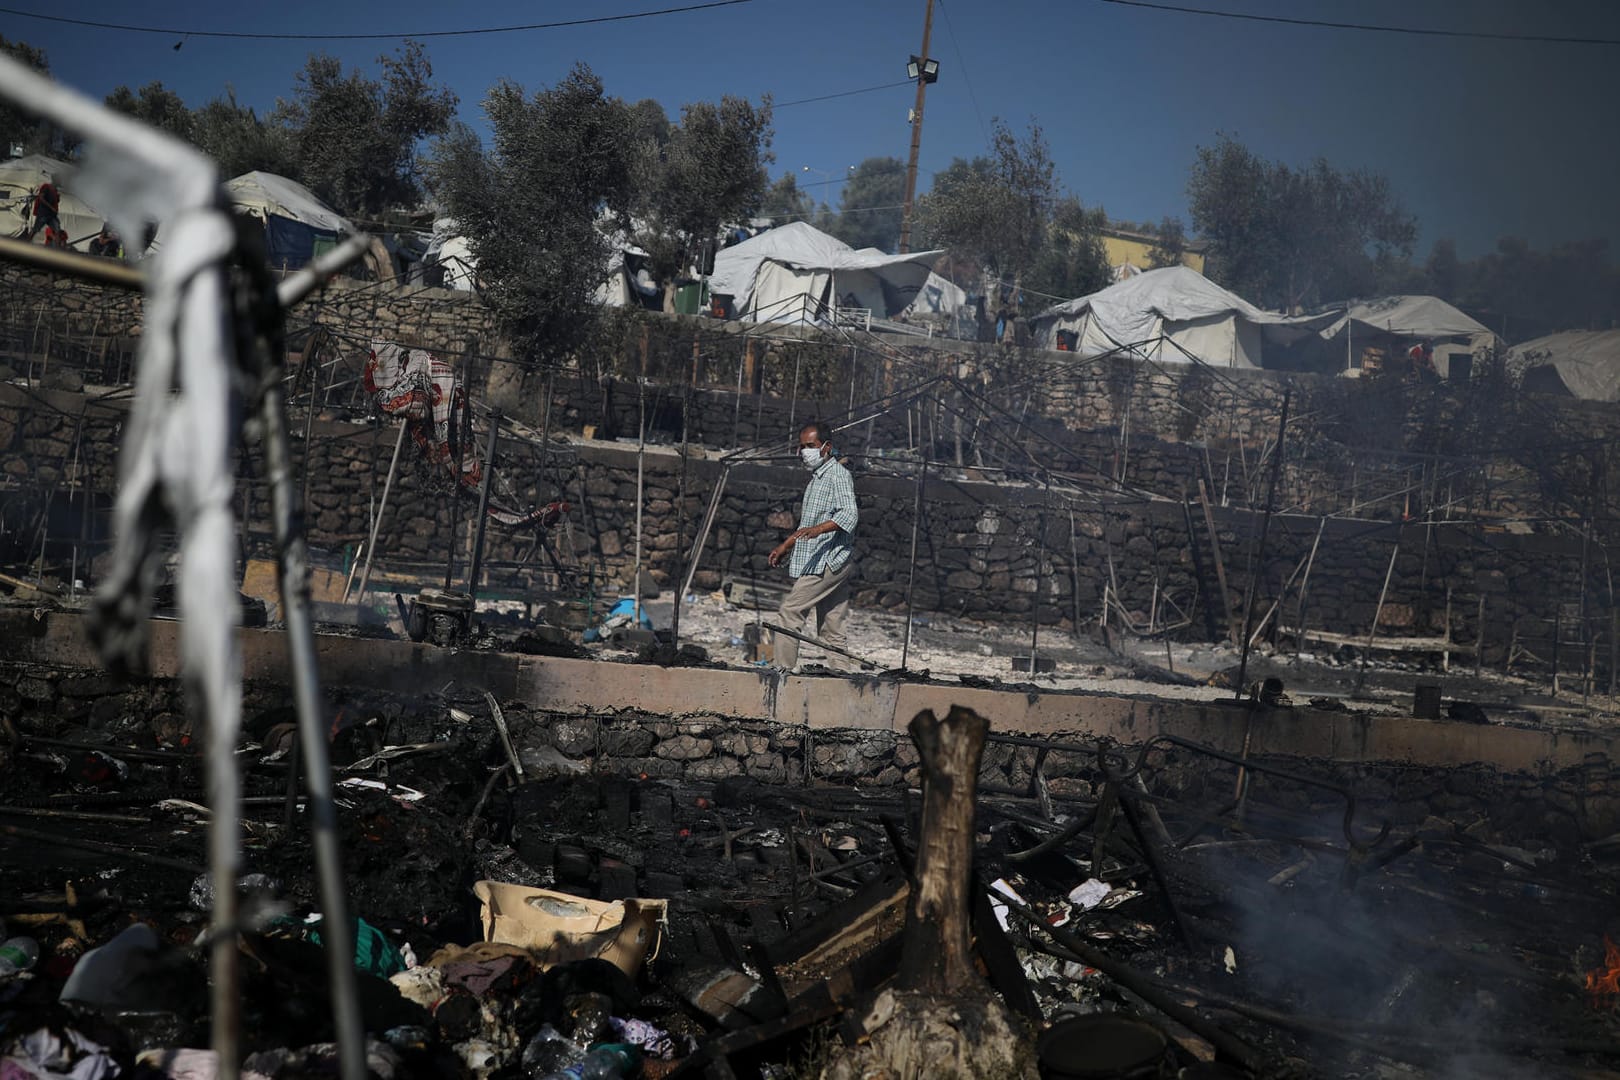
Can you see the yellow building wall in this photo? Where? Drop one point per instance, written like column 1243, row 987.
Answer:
column 1138, row 253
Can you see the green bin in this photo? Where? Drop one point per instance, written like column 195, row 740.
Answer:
column 690, row 299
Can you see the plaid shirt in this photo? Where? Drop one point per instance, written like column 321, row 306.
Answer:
column 830, row 496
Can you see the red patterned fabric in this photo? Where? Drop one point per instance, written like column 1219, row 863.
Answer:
column 420, row 388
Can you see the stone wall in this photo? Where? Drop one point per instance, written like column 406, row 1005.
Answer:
column 990, row 550
column 1560, row 810
column 1374, row 447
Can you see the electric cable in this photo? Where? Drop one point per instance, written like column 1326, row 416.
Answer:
column 1549, row 39
column 263, row 36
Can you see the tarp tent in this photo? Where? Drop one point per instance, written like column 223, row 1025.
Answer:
column 1166, row 315
column 1418, row 317
column 296, row 224
column 628, row 284
column 449, row 260
column 1371, row 333
column 1578, row 363
column 19, row 177
column 796, row 272
column 938, row 297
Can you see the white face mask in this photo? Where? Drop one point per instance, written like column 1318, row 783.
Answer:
column 811, row 456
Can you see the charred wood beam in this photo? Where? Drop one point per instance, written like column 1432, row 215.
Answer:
column 1418, row 1043
column 58, row 840
column 936, row 954
column 1226, row 1044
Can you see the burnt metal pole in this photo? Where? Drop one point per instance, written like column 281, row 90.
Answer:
column 1260, row 550
column 911, row 576
column 483, row 507
column 1040, row 579
column 292, row 549
column 382, row 508
column 916, row 132
column 680, row 513
column 455, row 481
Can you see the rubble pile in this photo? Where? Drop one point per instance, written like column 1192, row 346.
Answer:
column 519, row 916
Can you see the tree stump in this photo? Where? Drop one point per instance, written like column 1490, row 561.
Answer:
column 940, row 1019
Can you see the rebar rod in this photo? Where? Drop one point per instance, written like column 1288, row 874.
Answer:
column 911, row 573
column 475, row 569
column 382, row 507
column 311, row 747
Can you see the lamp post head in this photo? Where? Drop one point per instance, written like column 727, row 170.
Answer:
column 924, row 68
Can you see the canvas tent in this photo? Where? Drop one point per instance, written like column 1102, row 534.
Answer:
column 20, row 177
column 1372, row 332
column 1575, row 363
column 1174, row 314
column 449, row 260
column 629, row 283
column 297, row 225
column 795, row 273
column 1417, row 317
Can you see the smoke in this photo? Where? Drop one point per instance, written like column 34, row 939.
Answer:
column 1347, row 952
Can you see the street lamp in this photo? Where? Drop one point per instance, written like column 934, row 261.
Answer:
column 922, row 70
column 927, row 69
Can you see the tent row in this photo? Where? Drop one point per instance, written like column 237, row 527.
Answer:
column 297, row 225
column 1176, row 315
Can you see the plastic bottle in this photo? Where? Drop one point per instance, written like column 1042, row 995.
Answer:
column 17, row 954
column 610, row 1061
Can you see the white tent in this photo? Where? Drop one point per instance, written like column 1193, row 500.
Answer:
column 19, row 177
column 452, row 252
column 1453, row 336
column 796, row 272
column 1173, row 314
column 939, row 297
column 295, row 221
column 1423, row 317
column 263, row 194
column 1579, row 363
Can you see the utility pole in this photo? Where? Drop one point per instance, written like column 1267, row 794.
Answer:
column 924, row 71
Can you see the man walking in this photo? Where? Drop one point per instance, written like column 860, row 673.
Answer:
column 820, row 550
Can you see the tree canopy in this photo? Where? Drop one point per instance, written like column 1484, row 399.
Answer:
column 156, row 106
column 242, row 141
column 1071, row 261
column 785, row 201
column 530, row 205
column 995, row 209
column 1289, row 237
column 354, row 138
column 21, row 129
column 708, row 171
column 869, row 210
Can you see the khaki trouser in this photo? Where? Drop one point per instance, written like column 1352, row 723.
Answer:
column 827, row 597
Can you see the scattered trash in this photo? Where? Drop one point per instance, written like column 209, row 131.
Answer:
column 110, row 977
column 49, row 1053
column 621, row 616
column 557, row 927
column 373, row 952
column 18, row 954
column 202, row 889
column 1089, row 894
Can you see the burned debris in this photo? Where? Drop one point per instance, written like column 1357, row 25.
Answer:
column 735, row 927
column 372, row 706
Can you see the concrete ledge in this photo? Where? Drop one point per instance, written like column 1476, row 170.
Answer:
column 827, row 703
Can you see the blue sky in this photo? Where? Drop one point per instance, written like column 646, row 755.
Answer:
column 1479, row 138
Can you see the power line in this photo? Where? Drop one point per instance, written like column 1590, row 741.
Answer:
column 181, row 32
column 951, row 29
column 827, row 97
column 1372, row 27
